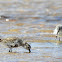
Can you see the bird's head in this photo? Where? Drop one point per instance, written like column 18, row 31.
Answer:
column 27, row 46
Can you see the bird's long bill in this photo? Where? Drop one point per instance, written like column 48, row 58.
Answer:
column 29, row 51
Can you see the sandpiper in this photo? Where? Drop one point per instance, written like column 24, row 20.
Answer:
column 58, row 31
column 13, row 42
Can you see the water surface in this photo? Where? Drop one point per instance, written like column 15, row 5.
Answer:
column 34, row 22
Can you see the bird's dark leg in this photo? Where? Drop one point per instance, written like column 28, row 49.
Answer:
column 29, row 51
column 10, row 50
column 56, row 37
column 59, row 38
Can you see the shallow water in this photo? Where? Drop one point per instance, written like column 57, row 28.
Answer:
column 40, row 52
column 34, row 22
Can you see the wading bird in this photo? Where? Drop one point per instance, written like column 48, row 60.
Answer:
column 58, row 31
column 13, row 42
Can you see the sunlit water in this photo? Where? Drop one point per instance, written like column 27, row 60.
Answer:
column 32, row 21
